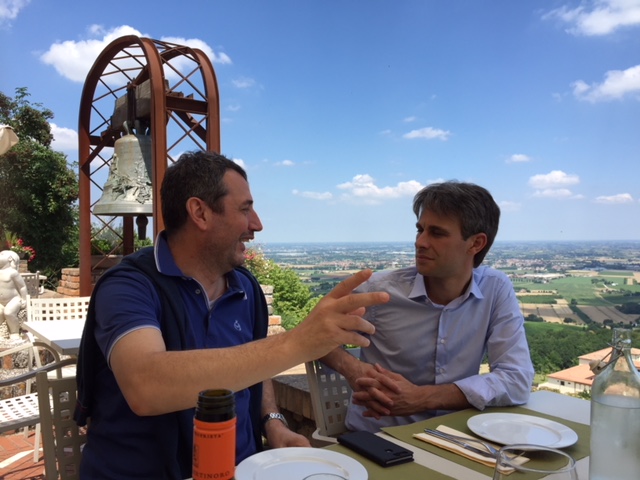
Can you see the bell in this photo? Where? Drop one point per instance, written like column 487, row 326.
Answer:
column 128, row 190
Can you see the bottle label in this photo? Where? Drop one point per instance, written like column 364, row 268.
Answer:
column 214, row 450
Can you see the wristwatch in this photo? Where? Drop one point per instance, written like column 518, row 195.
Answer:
column 273, row 416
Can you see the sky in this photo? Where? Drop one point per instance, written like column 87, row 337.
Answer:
column 340, row 111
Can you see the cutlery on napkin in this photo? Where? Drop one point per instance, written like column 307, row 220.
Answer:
column 488, row 461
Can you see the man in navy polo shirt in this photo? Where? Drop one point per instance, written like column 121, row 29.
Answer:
column 184, row 316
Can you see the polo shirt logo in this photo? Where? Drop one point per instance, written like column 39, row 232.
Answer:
column 237, row 326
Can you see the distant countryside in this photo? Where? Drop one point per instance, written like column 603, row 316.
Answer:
column 572, row 283
column 571, row 293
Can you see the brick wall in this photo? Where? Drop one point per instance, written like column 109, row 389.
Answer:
column 69, row 282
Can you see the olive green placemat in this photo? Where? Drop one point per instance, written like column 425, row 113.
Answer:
column 458, row 420
column 405, row 471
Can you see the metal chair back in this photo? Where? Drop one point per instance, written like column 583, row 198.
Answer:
column 330, row 396
column 62, row 439
column 20, row 409
column 62, row 308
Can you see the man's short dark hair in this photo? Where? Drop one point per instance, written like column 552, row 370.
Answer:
column 195, row 174
column 471, row 204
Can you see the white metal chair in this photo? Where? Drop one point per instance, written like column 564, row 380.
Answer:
column 32, row 280
column 57, row 308
column 21, row 410
column 62, row 439
column 330, row 396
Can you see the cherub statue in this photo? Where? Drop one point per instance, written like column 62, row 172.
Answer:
column 13, row 294
column 13, row 256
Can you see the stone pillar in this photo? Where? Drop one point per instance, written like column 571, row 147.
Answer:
column 275, row 321
column 69, row 282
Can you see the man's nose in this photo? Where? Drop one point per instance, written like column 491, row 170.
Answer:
column 255, row 224
column 422, row 240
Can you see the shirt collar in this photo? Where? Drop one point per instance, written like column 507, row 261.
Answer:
column 164, row 258
column 419, row 290
column 167, row 265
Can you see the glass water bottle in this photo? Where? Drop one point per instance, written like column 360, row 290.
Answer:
column 615, row 414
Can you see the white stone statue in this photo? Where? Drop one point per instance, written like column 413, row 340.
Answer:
column 13, row 293
column 14, row 257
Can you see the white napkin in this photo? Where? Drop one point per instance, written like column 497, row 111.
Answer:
column 452, row 447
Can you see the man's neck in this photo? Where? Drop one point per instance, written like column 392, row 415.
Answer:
column 191, row 264
column 444, row 290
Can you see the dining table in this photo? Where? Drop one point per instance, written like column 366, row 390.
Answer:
column 61, row 335
column 434, row 463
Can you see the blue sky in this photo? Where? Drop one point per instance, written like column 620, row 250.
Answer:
column 341, row 110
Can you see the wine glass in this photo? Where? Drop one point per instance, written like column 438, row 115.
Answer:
column 551, row 463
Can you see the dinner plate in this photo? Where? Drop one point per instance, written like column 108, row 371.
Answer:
column 295, row 463
column 510, row 428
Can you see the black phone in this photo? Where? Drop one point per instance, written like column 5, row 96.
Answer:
column 373, row 447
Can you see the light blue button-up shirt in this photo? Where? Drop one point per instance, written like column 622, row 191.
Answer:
column 431, row 344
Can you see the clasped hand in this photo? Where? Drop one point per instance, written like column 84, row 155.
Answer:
column 383, row 392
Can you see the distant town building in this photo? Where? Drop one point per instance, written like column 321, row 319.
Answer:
column 579, row 379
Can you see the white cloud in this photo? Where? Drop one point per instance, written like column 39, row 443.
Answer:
column 554, row 184
column 518, row 158
column 508, row 206
column 615, row 199
column 313, row 195
column 244, row 82
column 64, row 139
column 233, row 108
column 429, row 133
column 385, row 132
column 553, row 193
column 364, row 187
column 409, row 119
column 598, row 17
column 554, row 179
column 240, row 162
column 9, row 9
column 285, row 163
column 617, row 84
column 74, row 59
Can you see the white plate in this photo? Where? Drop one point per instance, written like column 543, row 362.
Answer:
column 510, row 428
column 296, row 463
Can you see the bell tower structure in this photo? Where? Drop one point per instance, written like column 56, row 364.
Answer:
column 144, row 102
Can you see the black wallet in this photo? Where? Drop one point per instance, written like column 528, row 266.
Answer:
column 373, row 447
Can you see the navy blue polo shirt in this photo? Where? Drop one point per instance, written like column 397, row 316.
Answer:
column 121, row 444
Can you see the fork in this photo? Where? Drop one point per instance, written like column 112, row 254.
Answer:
column 449, row 436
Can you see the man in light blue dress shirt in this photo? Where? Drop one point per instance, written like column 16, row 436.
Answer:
column 444, row 316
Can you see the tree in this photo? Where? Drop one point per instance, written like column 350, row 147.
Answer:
column 292, row 299
column 38, row 188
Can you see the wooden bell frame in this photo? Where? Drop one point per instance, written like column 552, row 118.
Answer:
column 169, row 88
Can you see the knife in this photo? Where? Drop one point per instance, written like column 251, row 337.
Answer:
column 464, row 445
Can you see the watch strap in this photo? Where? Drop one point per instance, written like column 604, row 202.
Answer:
column 273, row 416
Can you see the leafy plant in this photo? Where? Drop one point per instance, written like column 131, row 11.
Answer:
column 16, row 244
column 292, row 299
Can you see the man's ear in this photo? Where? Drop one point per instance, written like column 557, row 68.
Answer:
column 479, row 241
column 199, row 212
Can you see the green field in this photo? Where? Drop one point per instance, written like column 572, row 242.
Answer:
column 615, row 273
column 540, row 299
column 582, row 290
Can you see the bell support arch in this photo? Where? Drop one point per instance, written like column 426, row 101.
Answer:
column 172, row 90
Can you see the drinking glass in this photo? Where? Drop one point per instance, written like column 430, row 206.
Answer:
column 551, row 463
